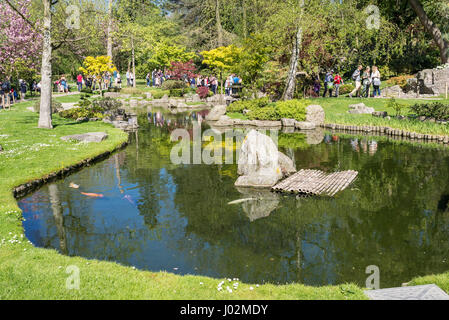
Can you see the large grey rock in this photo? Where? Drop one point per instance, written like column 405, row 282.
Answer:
column 267, row 123
column 315, row 114
column 258, row 162
column 87, row 137
column 112, row 94
column 288, row 122
column 360, row 108
column 224, row 121
column 216, row 113
column 286, row 164
column 303, row 125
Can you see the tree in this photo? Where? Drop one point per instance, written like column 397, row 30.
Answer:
column 182, row 70
column 222, row 59
column 432, row 29
column 18, row 39
column 97, row 68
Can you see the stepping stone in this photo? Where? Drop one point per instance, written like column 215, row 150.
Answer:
column 425, row 292
column 86, row 137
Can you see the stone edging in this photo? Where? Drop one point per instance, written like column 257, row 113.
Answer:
column 390, row 132
column 30, row 186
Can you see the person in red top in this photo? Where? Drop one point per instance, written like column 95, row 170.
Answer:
column 79, row 80
column 338, row 81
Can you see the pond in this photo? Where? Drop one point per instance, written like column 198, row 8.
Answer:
column 156, row 215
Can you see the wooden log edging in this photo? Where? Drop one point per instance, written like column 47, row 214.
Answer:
column 26, row 188
column 442, row 139
column 316, row 183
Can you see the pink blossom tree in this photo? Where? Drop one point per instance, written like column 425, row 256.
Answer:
column 18, row 40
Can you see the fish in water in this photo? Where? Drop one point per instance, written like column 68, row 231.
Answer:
column 93, row 195
column 241, row 201
column 130, row 199
column 73, row 185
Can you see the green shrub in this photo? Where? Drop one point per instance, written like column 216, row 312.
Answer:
column 86, row 90
column 436, row 110
column 346, row 88
column 132, row 91
column 55, row 105
column 396, row 106
column 176, row 93
column 292, row 109
column 159, row 94
column 262, row 109
column 241, row 105
column 173, row 84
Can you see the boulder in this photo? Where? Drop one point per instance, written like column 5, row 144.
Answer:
column 224, row 121
column 315, row 114
column 287, row 165
column 182, row 105
column 360, row 108
column 196, row 98
column 380, row 114
column 216, row 113
column 112, row 95
column 267, row 123
column 87, row 137
column 303, row 125
column 288, row 122
column 258, row 162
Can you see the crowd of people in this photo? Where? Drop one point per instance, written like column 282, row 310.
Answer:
column 10, row 95
column 157, row 77
column 366, row 81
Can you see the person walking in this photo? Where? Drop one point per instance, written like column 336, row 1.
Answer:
column 375, row 79
column 357, row 77
column 148, row 78
column 366, row 81
column 338, row 81
column 328, row 84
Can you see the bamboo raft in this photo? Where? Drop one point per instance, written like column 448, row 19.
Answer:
column 315, row 182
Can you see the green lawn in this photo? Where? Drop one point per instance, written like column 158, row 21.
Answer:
column 337, row 112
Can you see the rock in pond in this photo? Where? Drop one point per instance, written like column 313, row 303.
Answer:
column 360, row 108
column 315, row 114
column 258, row 163
column 286, row 164
column 303, row 125
column 288, row 122
column 224, row 121
column 216, row 113
column 87, row 137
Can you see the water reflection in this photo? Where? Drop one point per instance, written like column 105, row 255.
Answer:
column 159, row 216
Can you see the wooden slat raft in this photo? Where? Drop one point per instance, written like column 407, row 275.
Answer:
column 315, row 182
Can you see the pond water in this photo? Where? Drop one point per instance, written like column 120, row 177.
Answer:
column 156, row 215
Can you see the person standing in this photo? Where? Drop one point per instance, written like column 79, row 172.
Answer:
column 23, row 89
column 357, row 77
column 79, row 82
column 375, row 79
column 366, row 80
column 338, row 81
column 128, row 78
column 148, row 78
column 118, row 80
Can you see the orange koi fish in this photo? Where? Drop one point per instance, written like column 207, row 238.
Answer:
column 94, row 195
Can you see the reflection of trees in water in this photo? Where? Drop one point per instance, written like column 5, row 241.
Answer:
column 390, row 218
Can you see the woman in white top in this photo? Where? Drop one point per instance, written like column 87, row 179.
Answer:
column 375, row 80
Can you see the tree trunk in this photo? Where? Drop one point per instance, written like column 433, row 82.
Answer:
column 46, row 85
column 290, row 84
column 245, row 23
column 431, row 28
column 133, row 61
column 219, row 27
column 110, row 29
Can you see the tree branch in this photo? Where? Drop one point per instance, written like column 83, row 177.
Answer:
column 21, row 15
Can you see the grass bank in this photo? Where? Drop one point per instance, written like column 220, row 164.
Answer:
column 27, row 272
column 337, row 112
